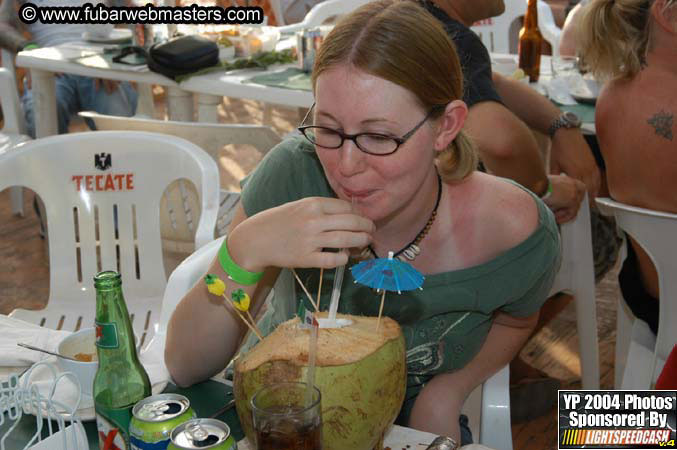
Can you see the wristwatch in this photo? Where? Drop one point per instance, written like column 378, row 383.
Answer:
column 565, row 120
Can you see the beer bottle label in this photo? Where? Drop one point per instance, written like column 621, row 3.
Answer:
column 107, row 335
column 113, row 427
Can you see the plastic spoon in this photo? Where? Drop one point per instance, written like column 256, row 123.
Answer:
column 30, row 347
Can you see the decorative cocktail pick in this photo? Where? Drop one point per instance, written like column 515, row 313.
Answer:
column 217, row 287
column 241, row 302
column 310, row 297
column 387, row 274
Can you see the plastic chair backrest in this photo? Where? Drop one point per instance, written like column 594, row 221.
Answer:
column 14, row 129
column 102, row 193
column 493, row 406
column 323, row 11
column 577, row 276
column 179, row 206
column 654, row 231
column 9, row 100
column 499, row 34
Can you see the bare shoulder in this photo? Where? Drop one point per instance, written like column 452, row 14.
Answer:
column 505, row 211
column 610, row 96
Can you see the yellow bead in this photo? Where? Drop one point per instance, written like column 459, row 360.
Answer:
column 243, row 304
column 218, row 287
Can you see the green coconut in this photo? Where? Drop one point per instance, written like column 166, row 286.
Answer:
column 360, row 372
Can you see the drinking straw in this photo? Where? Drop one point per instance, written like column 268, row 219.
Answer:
column 306, row 291
column 312, row 357
column 338, row 281
column 336, row 292
column 380, row 311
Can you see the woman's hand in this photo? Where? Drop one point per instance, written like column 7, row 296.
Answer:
column 295, row 234
column 566, row 197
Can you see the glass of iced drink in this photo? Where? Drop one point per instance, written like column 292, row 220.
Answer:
column 287, row 416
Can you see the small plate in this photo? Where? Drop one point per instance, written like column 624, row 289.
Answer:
column 585, row 92
column 117, row 36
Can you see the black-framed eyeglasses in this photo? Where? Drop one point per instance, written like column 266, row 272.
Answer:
column 371, row 143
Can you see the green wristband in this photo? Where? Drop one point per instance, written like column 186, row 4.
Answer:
column 548, row 191
column 235, row 272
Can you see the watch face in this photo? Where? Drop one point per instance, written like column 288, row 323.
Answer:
column 572, row 119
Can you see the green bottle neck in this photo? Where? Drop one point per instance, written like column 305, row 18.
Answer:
column 115, row 336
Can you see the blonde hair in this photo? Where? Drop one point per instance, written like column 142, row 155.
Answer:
column 399, row 41
column 615, row 36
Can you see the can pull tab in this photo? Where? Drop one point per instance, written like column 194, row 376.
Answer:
column 160, row 409
column 200, row 436
column 196, row 432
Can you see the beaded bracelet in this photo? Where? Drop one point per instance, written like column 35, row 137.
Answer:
column 235, row 272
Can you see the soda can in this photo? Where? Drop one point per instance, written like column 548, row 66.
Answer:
column 308, row 41
column 154, row 418
column 443, row 443
column 209, row 434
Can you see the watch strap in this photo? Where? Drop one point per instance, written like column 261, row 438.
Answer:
column 559, row 122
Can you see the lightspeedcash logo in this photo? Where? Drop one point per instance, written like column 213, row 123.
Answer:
column 617, row 419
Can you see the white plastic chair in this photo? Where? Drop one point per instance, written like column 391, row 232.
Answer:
column 323, row 11
column 577, row 276
column 93, row 230
column 640, row 356
column 499, row 34
column 179, row 206
column 14, row 129
column 492, row 407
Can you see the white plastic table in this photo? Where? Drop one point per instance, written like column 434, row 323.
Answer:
column 209, row 88
column 212, row 86
column 44, row 63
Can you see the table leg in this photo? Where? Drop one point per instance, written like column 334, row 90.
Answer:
column 180, row 104
column 145, row 106
column 44, row 103
column 207, row 108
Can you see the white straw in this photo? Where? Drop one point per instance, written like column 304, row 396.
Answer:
column 312, row 357
column 338, row 281
column 336, row 292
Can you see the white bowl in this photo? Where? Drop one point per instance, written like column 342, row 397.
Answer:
column 80, row 342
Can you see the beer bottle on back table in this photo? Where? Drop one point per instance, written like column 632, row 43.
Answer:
column 120, row 380
column 530, row 43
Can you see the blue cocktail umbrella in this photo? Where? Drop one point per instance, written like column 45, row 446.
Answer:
column 387, row 274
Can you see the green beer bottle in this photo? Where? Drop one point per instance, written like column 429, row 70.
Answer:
column 120, row 380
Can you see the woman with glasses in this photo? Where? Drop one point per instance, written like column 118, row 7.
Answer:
column 383, row 166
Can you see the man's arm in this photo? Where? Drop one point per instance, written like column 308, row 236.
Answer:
column 508, row 149
column 570, row 152
column 568, row 41
column 11, row 37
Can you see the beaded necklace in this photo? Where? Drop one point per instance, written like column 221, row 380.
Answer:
column 411, row 250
